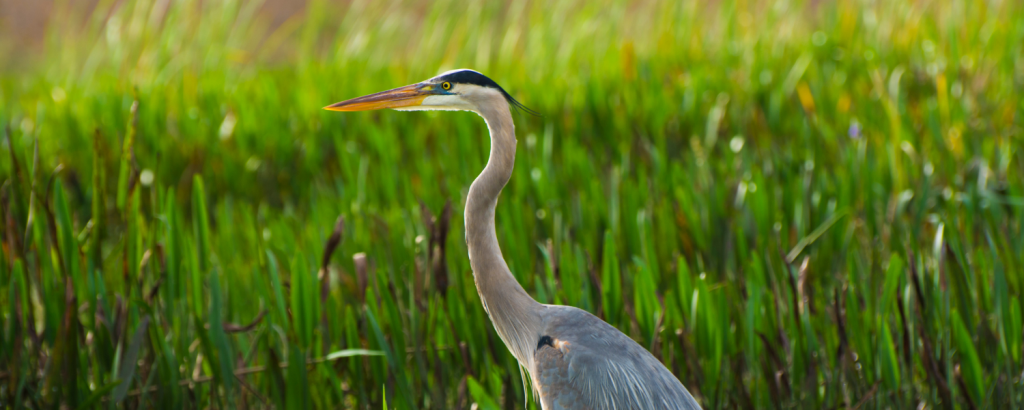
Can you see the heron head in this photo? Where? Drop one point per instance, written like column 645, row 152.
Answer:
column 456, row 90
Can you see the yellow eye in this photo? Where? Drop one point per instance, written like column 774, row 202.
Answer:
column 446, row 85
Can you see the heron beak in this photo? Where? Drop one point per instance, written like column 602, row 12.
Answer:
column 410, row 95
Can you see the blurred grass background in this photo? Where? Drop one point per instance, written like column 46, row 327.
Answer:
column 791, row 203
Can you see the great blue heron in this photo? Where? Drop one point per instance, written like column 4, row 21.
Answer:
column 574, row 359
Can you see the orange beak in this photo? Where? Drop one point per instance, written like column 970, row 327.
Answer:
column 407, row 96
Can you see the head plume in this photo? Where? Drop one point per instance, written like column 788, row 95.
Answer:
column 467, row 76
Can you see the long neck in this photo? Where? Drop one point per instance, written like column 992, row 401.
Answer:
column 513, row 312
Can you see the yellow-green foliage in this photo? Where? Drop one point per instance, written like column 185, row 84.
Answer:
column 793, row 204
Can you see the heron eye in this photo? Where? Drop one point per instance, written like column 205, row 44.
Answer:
column 446, row 85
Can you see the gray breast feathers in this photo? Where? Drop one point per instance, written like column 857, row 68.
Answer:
column 582, row 362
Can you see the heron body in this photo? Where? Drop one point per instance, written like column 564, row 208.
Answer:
column 575, row 360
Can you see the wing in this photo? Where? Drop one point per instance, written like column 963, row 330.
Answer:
column 584, row 363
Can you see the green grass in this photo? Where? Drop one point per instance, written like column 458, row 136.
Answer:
column 792, row 204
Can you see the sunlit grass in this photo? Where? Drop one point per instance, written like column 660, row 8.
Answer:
column 792, row 205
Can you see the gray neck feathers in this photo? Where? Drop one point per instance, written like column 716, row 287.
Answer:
column 515, row 315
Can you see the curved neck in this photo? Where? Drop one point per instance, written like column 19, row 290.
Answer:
column 513, row 312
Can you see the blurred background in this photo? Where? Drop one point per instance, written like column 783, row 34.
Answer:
column 791, row 203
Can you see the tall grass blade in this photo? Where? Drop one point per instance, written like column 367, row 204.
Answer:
column 126, row 372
